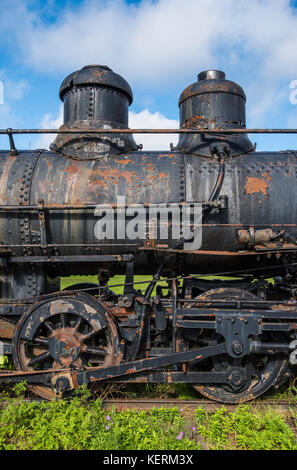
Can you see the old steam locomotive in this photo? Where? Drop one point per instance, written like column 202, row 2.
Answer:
column 221, row 316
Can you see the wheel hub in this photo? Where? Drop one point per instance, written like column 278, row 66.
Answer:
column 64, row 346
column 237, row 378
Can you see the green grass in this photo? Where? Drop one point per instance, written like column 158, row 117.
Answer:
column 81, row 424
column 118, row 279
column 246, row 429
column 150, row 391
column 287, row 391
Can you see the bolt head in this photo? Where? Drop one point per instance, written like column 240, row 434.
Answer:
column 237, row 348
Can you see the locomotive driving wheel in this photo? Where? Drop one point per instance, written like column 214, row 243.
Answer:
column 249, row 376
column 66, row 331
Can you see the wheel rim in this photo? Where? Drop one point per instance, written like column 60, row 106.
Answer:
column 262, row 371
column 65, row 331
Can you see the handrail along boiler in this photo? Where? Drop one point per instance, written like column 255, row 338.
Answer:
column 231, row 337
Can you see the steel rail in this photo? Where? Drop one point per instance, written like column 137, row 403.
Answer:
column 188, row 406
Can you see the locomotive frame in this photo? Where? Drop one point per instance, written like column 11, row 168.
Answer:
column 247, row 344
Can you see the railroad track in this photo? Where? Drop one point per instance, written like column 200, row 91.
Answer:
column 187, row 407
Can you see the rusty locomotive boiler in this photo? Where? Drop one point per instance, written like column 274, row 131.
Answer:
column 65, row 211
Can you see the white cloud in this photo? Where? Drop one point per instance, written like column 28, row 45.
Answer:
column 153, row 40
column 143, row 120
column 49, row 121
column 147, row 120
column 165, row 43
column 8, row 118
column 15, row 90
column 7, row 115
column 12, row 89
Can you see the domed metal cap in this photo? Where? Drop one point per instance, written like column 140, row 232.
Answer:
column 211, row 75
column 100, row 75
column 211, row 81
column 213, row 103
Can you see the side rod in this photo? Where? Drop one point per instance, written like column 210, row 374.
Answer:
column 142, row 365
column 67, row 379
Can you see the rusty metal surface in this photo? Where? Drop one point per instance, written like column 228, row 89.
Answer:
column 151, row 179
column 222, row 342
column 213, row 103
column 66, row 332
column 152, row 131
column 95, row 75
column 268, row 369
column 94, row 98
column 65, row 348
column 6, row 329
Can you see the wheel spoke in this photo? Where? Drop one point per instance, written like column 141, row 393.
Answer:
column 77, row 325
column 40, row 358
column 64, row 320
column 89, row 335
column 49, row 326
column 70, row 331
column 41, row 340
column 101, row 351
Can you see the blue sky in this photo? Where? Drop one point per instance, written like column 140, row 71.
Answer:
column 159, row 46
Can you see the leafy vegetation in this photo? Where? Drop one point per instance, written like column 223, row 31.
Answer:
column 80, row 424
column 6, row 363
column 245, row 429
column 288, row 391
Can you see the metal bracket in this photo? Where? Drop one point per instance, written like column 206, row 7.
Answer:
column 160, row 316
column 236, row 330
column 13, row 151
column 41, row 217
